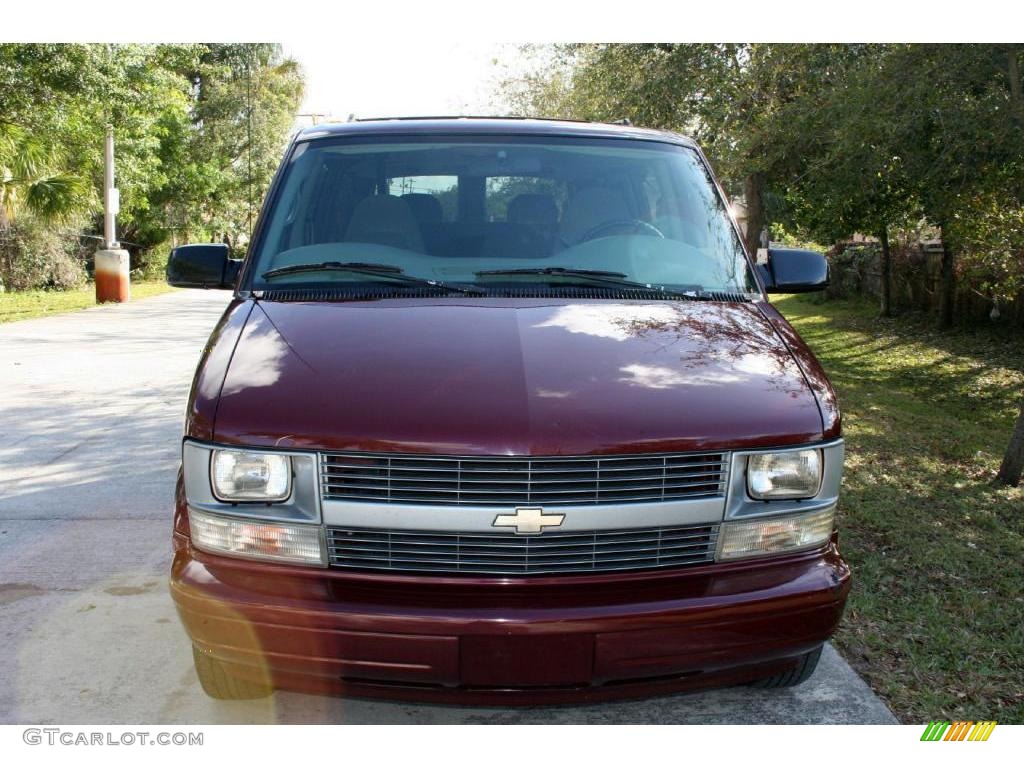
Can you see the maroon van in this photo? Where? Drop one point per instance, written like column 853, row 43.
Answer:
column 499, row 411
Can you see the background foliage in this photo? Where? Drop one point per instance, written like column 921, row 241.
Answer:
column 199, row 130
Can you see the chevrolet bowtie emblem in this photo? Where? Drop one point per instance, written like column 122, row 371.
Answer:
column 528, row 520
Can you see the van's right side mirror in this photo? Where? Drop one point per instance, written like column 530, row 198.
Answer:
column 793, row 270
column 206, row 265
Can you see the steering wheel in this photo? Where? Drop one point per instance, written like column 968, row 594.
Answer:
column 630, row 225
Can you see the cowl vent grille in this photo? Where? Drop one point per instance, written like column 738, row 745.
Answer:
column 532, row 292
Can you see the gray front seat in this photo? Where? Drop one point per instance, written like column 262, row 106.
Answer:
column 425, row 207
column 385, row 220
column 589, row 208
column 535, row 216
column 536, row 211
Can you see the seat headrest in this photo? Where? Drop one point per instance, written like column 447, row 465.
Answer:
column 425, row 207
column 590, row 207
column 534, row 209
column 385, row 220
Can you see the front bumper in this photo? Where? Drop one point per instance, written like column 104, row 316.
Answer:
column 524, row 640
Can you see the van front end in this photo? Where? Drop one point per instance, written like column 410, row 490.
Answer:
column 500, row 410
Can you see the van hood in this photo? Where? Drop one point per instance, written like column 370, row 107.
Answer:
column 513, row 377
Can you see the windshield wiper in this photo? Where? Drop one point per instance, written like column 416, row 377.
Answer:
column 387, row 271
column 599, row 276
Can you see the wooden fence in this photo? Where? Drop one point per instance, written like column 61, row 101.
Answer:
column 916, row 282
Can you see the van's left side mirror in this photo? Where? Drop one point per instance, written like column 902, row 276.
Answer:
column 206, row 265
column 793, row 270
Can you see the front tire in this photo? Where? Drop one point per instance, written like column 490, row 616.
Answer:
column 800, row 673
column 218, row 683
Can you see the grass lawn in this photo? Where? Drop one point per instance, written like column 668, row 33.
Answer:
column 935, row 622
column 21, row 305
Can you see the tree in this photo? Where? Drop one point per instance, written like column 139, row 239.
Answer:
column 1013, row 461
column 246, row 99
column 29, row 181
column 953, row 122
column 851, row 177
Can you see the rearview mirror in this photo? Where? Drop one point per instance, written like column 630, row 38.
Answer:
column 793, row 270
column 208, row 265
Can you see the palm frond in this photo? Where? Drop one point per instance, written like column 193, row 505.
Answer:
column 54, row 197
column 30, row 158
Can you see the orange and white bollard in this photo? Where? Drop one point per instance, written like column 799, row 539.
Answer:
column 111, row 265
column 112, row 275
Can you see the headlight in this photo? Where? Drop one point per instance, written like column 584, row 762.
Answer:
column 250, row 476
column 784, row 475
column 774, row 535
column 241, row 537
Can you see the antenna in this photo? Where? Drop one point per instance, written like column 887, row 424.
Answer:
column 248, row 88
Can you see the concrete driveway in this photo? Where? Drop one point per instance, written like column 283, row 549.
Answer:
column 91, row 407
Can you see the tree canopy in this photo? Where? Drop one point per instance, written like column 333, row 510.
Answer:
column 199, row 130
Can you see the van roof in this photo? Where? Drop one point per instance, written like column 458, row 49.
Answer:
column 497, row 126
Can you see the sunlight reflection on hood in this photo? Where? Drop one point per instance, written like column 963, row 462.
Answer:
column 257, row 361
column 609, row 322
column 659, row 377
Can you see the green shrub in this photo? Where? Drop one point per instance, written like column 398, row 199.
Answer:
column 32, row 257
column 151, row 263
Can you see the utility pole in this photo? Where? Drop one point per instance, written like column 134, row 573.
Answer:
column 111, row 196
column 112, row 262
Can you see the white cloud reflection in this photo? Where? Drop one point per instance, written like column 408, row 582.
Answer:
column 257, row 361
column 607, row 322
column 555, row 394
column 652, row 376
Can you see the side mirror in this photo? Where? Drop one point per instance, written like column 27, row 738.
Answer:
column 208, row 265
column 792, row 270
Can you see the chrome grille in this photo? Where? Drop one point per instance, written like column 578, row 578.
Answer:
column 510, row 481
column 509, row 554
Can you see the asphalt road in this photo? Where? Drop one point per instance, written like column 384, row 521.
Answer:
column 91, row 407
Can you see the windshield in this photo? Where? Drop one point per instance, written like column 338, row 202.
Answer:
column 494, row 212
